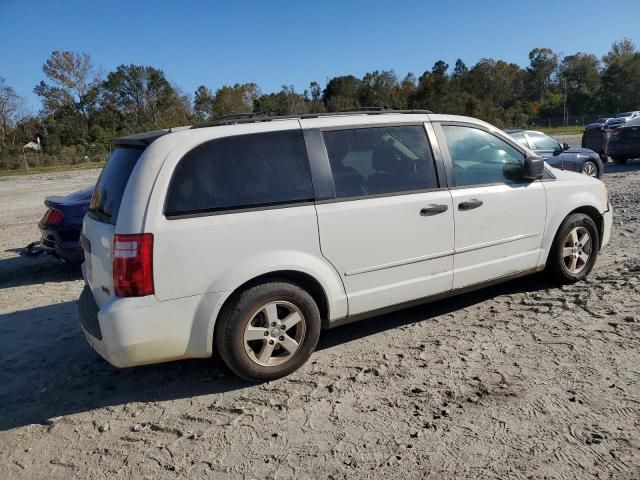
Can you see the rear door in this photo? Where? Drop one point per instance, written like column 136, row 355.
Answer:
column 100, row 223
column 499, row 217
column 388, row 226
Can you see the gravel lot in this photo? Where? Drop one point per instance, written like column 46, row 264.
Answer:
column 522, row 380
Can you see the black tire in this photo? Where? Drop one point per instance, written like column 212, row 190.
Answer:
column 247, row 307
column 620, row 160
column 590, row 164
column 556, row 264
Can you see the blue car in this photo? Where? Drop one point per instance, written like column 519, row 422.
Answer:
column 61, row 225
column 562, row 156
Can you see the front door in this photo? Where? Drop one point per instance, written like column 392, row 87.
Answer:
column 499, row 217
column 389, row 229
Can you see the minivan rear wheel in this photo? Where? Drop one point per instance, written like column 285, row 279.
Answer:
column 575, row 249
column 268, row 331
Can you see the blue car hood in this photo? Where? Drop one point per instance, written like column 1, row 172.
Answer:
column 580, row 150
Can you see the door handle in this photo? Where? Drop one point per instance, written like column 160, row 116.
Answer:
column 470, row 204
column 433, row 210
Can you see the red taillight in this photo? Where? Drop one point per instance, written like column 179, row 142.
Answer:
column 53, row 217
column 133, row 265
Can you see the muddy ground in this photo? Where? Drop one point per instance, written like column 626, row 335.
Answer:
column 521, row 380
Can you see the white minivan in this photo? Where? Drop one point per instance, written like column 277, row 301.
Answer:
column 247, row 236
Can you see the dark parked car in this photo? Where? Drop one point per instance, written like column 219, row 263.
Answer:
column 596, row 137
column 61, row 225
column 562, row 156
column 622, row 119
column 598, row 123
column 624, row 142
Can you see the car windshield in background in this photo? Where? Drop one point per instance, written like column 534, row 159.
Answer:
column 105, row 202
column 543, row 142
column 634, row 122
column 519, row 137
column 626, row 114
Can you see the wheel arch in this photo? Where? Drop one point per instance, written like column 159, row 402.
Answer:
column 591, row 212
column 304, row 280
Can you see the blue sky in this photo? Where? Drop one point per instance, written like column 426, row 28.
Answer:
column 276, row 42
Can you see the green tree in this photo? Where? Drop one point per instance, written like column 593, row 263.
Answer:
column 433, row 89
column 380, row 89
column 10, row 104
column 238, row 98
column 315, row 103
column 142, row 98
column 203, row 104
column 621, row 77
column 582, row 76
column 71, row 93
column 285, row 102
column 542, row 71
column 341, row 93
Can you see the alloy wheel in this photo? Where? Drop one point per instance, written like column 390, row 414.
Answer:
column 577, row 249
column 589, row 168
column 274, row 333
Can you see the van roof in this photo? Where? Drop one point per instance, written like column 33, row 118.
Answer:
column 146, row 138
column 257, row 117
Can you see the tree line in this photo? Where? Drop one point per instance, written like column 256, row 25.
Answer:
column 83, row 109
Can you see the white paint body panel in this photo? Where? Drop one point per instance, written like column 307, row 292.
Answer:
column 569, row 192
column 501, row 237
column 386, row 251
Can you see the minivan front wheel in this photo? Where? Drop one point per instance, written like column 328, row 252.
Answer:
column 268, row 331
column 574, row 249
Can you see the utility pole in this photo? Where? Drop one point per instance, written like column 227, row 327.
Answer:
column 565, row 117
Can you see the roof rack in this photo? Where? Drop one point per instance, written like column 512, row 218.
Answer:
column 237, row 118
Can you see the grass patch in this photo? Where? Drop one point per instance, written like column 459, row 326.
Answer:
column 52, row 168
column 561, row 130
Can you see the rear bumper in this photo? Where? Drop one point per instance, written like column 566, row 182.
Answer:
column 607, row 222
column 137, row 331
column 62, row 242
column 631, row 150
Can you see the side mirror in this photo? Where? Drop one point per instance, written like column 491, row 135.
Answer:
column 533, row 168
column 565, row 146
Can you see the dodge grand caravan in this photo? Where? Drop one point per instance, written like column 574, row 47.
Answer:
column 247, row 236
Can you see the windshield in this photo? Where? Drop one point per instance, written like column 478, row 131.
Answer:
column 543, row 142
column 105, row 202
column 626, row 114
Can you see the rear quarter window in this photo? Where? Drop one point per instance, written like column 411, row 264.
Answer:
column 240, row 172
column 107, row 196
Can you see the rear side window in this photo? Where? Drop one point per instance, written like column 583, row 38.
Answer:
column 380, row 160
column 241, row 172
column 107, row 196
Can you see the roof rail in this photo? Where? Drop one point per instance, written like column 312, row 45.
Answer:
column 238, row 118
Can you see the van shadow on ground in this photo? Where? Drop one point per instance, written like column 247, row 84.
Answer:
column 19, row 271
column 48, row 370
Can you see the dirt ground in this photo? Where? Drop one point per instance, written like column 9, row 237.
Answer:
column 521, row 380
